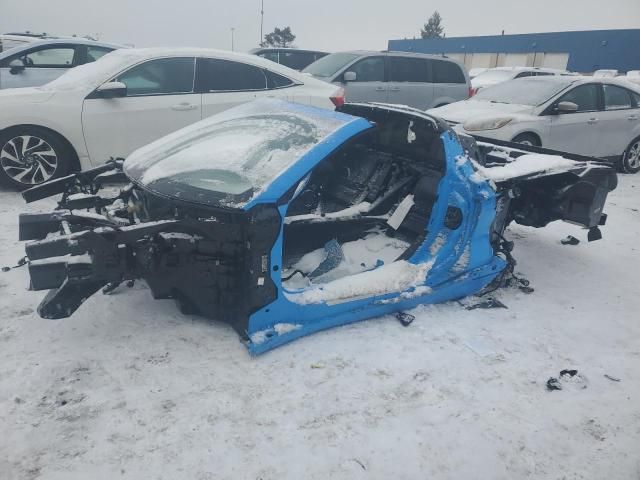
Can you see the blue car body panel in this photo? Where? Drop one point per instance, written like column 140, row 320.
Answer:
column 216, row 212
column 462, row 260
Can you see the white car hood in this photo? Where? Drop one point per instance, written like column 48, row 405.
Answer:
column 10, row 96
column 460, row 112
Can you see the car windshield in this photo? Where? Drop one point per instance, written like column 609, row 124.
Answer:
column 330, row 65
column 494, row 76
column 524, row 91
column 229, row 158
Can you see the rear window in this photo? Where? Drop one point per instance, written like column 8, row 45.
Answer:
column 273, row 56
column 215, row 75
column 447, row 72
column 297, row 60
column 405, row 69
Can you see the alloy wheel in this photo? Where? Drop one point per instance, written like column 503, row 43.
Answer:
column 633, row 156
column 28, row 159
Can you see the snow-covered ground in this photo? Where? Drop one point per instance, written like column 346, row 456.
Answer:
column 130, row 388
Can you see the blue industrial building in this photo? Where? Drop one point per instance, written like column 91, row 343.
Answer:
column 584, row 51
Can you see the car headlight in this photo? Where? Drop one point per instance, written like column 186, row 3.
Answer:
column 486, row 124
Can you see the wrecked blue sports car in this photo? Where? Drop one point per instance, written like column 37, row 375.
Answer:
column 282, row 219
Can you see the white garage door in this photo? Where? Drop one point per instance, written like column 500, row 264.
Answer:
column 556, row 60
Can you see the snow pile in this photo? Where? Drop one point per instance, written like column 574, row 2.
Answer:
column 359, row 256
column 394, row 277
column 527, row 165
column 129, row 388
column 278, row 329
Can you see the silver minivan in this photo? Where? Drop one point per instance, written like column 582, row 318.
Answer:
column 418, row 80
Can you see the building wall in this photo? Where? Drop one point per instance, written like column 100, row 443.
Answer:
column 585, row 51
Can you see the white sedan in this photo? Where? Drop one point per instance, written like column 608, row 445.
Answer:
column 129, row 98
column 598, row 117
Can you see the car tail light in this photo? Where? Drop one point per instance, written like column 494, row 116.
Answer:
column 472, row 91
column 338, row 97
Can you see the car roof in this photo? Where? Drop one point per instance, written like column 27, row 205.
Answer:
column 58, row 41
column 582, row 79
column 283, row 49
column 528, row 69
column 399, row 54
column 160, row 52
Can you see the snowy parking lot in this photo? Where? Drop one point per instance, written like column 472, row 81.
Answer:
column 130, row 388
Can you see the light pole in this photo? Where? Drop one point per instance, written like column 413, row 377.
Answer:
column 261, row 21
column 232, row 29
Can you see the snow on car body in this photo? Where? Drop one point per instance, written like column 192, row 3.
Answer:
column 283, row 219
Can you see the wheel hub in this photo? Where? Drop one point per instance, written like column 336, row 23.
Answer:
column 633, row 157
column 28, row 160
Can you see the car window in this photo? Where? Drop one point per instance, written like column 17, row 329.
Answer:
column 275, row 80
column 94, row 53
column 60, row 57
column 616, row 98
column 296, row 60
column 585, row 96
column 404, row 69
column 636, row 98
column 524, row 74
column 370, row 69
column 273, row 56
column 330, row 65
column 215, row 75
column 161, row 76
column 447, row 72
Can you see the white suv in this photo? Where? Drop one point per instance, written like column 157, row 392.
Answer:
column 132, row 97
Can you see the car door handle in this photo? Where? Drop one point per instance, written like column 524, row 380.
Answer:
column 395, row 89
column 184, row 106
column 380, row 89
column 632, row 117
column 592, row 121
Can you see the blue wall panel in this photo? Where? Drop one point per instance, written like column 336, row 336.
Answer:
column 588, row 50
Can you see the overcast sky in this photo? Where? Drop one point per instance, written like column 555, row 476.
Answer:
column 322, row 24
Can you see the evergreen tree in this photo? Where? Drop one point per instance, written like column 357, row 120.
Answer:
column 433, row 28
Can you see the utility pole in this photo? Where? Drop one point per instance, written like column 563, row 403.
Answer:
column 261, row 21
column 232, row 29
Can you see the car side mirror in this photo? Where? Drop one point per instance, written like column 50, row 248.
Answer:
column 349, row 76
column 566, row 107
column 16, row 66
column 112, row 90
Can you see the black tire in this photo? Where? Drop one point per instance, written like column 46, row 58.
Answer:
column 527, row 139
column 32, row 155
column 630, row 160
